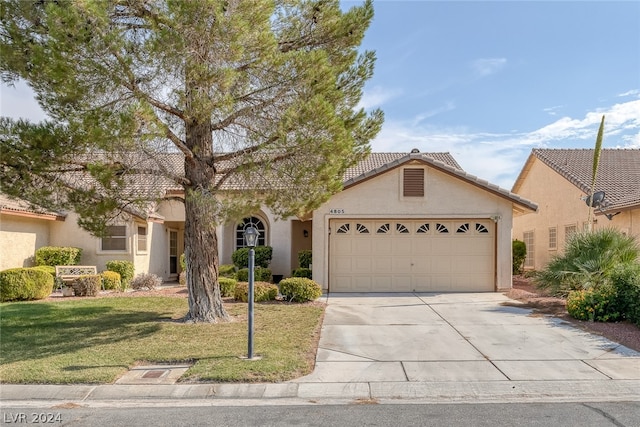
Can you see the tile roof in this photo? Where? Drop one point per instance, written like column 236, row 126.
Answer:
column 441, row 161
column 618, row 172
column 18, row 207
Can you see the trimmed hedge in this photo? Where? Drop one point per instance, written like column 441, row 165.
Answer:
column 46, row 268
column 227, row 270
column 304, row 258
column 263, row 291
column 260, row 274
column 227, row 286
column 56, row 255
column 24, row 284
column 111, row 280
column 124, row 268
column 87, row 286
column 627, row 283
column 263, row 256
column 300, row 289
column 302, row 272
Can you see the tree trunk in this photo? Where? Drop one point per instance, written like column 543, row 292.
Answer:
column 201, row 241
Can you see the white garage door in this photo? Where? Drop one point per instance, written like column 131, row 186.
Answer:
column 411, row 255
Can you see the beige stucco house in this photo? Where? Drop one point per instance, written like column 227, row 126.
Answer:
column 403, row 222
column 559, row 180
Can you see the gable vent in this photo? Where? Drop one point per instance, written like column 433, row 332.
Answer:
column 413, row 183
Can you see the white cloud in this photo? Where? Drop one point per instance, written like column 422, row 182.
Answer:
column 377, row 96
column 499, row 157
column 630, row 93
column 448, row 106
column 486, row 66
column 553, row 111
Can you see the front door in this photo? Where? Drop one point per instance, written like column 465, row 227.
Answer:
column 173, row 253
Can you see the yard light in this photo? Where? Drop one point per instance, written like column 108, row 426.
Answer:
column 251, row 237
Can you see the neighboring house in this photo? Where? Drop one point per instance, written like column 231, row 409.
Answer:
column 559, row 180
column 403, row 222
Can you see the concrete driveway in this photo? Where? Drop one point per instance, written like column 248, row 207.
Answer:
column 368, row 338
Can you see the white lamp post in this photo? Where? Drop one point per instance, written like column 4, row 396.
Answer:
column 251, row 237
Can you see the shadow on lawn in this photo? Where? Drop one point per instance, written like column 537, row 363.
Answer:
column 35, row 331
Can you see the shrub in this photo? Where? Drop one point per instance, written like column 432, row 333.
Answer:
column 227, row 270
column 519, row 250
column 302, row 272
column 111, row 280
column 227, row 286
column 146, row 281
column 260, row 274
column 263, row 255
column 54, row 255
column 183, row 262
column 263, row 291
column 87, row 286
column 46, row 268
column 182, row 278
column 124, row 268
column 626, row 280
column 589, row 260
column 23, row 284
column 300, row 289
column 304, row 258
column 596, row 304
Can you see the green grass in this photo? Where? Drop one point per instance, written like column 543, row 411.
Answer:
column 97, row 340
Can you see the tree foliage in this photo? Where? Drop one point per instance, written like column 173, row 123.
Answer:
column 234, row 103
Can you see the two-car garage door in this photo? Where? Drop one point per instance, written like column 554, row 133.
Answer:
column 411, row 255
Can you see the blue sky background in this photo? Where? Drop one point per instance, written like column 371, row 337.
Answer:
column 489, row 81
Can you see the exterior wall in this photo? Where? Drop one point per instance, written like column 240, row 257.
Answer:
column 278, row 237
column 560, row 205
column 19, row 238
column 445, row 197
column 300, row 241
column 155, row 259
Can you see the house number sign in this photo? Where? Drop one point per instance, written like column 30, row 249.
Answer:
column 336, row 211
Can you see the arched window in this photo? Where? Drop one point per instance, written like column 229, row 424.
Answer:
column 257, row 224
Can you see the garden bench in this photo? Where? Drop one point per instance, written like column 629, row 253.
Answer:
column 68, row 273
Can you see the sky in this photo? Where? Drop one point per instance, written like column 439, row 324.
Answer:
column 490, row 81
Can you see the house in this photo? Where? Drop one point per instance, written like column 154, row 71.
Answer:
column 559, row 181
column 403, row 222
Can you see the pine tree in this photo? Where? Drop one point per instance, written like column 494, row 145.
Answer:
column 261, row 94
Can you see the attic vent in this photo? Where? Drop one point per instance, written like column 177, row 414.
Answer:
column 415, row 150
column 413, row 183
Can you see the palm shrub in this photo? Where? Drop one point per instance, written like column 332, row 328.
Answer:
column 589, row 260
column 23, row 284
column 519, row 251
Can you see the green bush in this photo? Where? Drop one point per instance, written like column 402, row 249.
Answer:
column 304, row 258
column 146, row 281
column 87, row 286
column 183, row 262
column 54, row 255
column 24, row 284
column 589, row 260
column 125, row 269
column 302, row 272
column 263, row 291
column 627, row 283
column 46, row 268
column 260, row 274
column 519, row 250
column 111, row 280
column 227, row 286
column 263, row 256
column 227, row 270
column 300, row 289
column 595, row 304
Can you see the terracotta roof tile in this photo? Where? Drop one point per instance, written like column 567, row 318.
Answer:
column 618, row 172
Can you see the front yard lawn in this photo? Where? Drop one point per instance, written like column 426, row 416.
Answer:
column 97, row 340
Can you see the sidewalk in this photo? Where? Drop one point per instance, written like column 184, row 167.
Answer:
column 402, row 348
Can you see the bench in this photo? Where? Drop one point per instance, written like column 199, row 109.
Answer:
column 68, row 273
